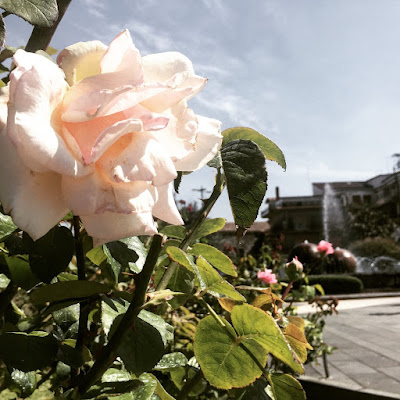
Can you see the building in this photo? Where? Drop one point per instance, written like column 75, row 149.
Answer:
column 322, row 215
column 226, row 240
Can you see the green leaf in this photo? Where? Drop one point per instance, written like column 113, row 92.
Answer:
column 143, row 346
column 24, row 383
column 68, row 290
column 209, row 226
column 177, row 181
column 110, row 309
column 270, row 150
column 145, row 392
column 66, row 316
column 20, row 272
column 114, row 375
column 43, row 13
column 215, row 257
column 113, row 263
column 27, row 352
column 96, row 255
column 285, row 387
column 7, row 226
column 135, row 244
column 160, row 296
column 212, row 282
column 246, row 179
column 216, row 162
column 73, row 357
column 181, row 281
column 181, row 375
column 171, row 361
column 7, row 52
column 256, row 391
column 178, row 255
column 105, row 390
column 128, row 253
column 160, row 391
column 226, row 360
column 51, row 254
column 174, row 231
column 4, row 282
column 253, row 323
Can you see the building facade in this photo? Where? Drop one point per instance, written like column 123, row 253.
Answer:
column 322, row 215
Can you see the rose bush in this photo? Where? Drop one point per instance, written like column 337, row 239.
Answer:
column 267, row 276
column 325, row 248
column 103, row 134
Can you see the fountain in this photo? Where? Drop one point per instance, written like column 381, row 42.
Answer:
column 332, row 216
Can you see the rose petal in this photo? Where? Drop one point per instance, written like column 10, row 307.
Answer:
column 109, row 226
column 165, row 207
column 161, row 67
column 4, row 94
column 36, row 88
column 94, row 194
column 142, row 159
column 33, row 199
column 122, row 56
column 178, row 137
column 208, row 142
column 81, row 60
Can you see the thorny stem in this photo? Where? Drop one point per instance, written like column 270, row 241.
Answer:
column 41, row 37
column 80, row 262
column 109, row 352
column 190, row 236
column 287, row 290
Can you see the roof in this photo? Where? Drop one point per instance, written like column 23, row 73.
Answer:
column 258, row 226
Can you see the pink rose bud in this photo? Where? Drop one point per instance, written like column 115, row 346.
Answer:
column 325, row 247
column 296, row 263
column 267, row 276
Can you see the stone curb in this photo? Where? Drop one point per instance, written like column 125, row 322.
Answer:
column 317, row 389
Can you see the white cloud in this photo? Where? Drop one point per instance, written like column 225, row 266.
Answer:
column 96, row 8
column 218, row 7
column 147, row 38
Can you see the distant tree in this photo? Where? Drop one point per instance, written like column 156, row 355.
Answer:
column 367, row 222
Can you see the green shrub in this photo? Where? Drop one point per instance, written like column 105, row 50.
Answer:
column 375, row 247
column 337, row 284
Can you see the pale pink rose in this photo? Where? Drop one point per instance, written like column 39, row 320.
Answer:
column 267, row 276
column 103, row 134
column 325, row 247
column 297, row 263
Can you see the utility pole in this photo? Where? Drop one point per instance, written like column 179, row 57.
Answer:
column 201, row 190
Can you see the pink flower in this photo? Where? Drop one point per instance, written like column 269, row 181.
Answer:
column 325, row 247
column 102, row 134
column 298, row 264
column 267, row 276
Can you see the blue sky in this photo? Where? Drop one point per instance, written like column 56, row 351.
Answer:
column 320, row 78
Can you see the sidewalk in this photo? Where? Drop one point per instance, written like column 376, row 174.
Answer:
column 367, row 336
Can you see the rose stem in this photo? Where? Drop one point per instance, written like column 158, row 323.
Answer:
column 109, row 352
column 41, row 37
column 209, row 203
column 287, row 290
column 83, row 306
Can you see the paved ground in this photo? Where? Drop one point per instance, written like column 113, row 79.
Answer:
column 367, row 335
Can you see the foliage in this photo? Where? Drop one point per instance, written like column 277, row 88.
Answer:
column 375, row 247
column 155, row 318
column 366, row 222
column 337, row 284
column 149, row 318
